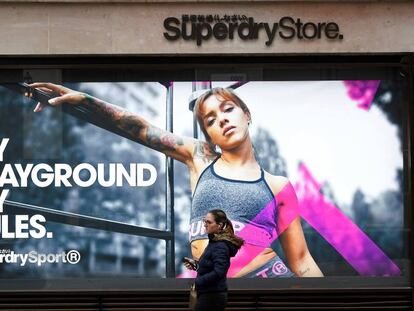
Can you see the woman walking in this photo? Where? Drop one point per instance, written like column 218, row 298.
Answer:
column 210, row 283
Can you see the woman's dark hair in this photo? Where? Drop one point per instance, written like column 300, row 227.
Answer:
column 220, row 217
column 227, row 95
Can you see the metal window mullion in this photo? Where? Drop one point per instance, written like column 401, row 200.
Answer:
column 408, row 173
column 72, row 219
column 198, row 86
column 169, row 198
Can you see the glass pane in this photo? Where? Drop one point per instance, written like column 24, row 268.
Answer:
column 53, row 137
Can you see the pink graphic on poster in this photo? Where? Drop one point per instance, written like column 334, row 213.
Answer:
column 362, row 91
column 337, row 229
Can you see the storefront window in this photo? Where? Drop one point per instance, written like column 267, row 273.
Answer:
column 339, row 136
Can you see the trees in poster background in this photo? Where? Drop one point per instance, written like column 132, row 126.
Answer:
column 381, row 217
column 387, row 95
column 103, row 253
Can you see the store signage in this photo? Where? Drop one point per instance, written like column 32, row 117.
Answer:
column 200, row 28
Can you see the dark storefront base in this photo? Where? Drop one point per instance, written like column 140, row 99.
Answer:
column 358, row 300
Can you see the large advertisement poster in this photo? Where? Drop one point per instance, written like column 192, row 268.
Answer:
column 310, row 173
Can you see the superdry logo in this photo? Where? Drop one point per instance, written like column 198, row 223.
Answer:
column 201, row 28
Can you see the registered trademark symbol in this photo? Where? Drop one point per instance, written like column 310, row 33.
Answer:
column 73, row 257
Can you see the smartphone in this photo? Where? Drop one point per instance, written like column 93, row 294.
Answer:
column 190, row 261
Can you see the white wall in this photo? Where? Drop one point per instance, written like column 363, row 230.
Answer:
column 136, row 28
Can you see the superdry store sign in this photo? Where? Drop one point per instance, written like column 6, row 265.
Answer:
column 201, row 28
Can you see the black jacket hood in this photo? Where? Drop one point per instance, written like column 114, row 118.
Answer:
column 232, row 241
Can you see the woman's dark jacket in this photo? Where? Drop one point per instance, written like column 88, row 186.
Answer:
column 214, row 264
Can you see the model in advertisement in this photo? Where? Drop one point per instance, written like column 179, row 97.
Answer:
column 224, row 174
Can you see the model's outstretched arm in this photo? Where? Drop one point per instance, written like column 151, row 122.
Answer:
column 137, row 128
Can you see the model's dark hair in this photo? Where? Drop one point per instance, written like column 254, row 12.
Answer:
column 226, row 94
column 220, row 218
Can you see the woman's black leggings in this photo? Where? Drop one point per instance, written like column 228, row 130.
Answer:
column 211, row 301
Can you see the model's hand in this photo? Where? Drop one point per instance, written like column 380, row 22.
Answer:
column 64, row 95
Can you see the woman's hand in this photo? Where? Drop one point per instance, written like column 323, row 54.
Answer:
column 190, row 264
column 60, row 93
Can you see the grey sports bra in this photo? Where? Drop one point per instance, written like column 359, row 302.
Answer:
column 241, row 200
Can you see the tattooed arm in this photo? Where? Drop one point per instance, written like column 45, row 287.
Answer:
column 292, row 238
column 297, row 253
column 136, row 127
